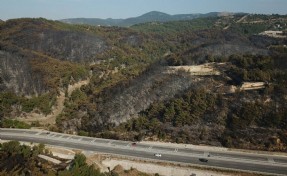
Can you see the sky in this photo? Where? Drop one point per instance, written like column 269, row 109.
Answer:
column 61, row 9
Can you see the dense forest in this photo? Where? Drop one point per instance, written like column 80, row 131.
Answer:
column 132, row 94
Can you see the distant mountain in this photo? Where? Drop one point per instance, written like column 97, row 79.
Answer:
column 94, row 21
column 148, row 17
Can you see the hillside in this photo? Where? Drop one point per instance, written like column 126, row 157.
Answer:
column 179, row 81
column 153, row 16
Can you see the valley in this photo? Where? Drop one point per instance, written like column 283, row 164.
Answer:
column 217, row 80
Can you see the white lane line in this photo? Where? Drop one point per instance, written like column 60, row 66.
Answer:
column 38, row 133
column 270, row 160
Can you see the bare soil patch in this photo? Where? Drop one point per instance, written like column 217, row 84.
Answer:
column 196, row 70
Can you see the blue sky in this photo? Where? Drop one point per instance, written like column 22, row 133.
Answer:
column 59, row 9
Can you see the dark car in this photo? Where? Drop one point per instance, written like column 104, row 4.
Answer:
column 203, row 159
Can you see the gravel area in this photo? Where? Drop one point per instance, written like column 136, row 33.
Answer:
column 161, row 169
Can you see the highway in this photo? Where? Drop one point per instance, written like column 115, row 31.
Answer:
column 263, row 163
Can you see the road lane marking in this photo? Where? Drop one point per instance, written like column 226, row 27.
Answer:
column 270, row 160
column 39, row 133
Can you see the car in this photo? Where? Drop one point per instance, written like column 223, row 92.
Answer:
column 157, row 155
column 203, row 160
column 134, row 144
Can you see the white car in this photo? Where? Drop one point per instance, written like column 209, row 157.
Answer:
column 157, row 155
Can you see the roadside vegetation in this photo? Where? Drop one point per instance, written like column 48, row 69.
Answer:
column 8, row 123
column 21, row 159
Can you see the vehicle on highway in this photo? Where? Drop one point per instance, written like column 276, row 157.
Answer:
column 134, row 144
column 203, row 160
column 157, row 155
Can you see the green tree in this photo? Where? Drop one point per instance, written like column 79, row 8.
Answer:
column 154, row 125
column 26, row 151
column 169, row 113
column 80, row 160
column 80, row 168
column 41, row 148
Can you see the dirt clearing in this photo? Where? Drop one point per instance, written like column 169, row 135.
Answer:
column 196, row 70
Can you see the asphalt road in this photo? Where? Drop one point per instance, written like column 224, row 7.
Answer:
column 272, row 164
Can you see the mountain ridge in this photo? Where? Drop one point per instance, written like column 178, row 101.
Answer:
column 147, row 17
